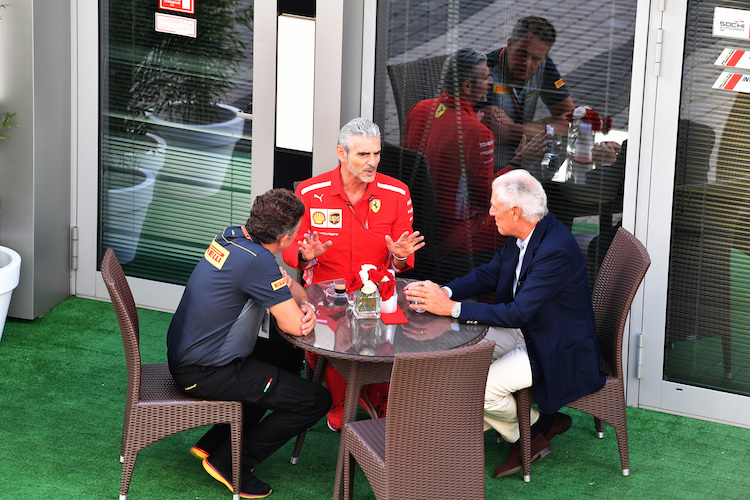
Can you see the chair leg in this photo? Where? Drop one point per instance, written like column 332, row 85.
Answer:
column 523, row 408
column 622, row 443
column 349, row 466
column 128, row 463
column 236, row 439
column 320, row 368
column 599, row 425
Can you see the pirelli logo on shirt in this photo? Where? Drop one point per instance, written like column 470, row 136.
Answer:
column 216, row 255
column 500, row 89
column 326, row 217
column 559, row 83
column 279, row 283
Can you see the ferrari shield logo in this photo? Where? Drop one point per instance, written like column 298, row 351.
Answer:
column 440, row 110
column 375, row 206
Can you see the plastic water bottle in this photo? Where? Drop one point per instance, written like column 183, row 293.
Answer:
column 551, row 161
column 585, row 143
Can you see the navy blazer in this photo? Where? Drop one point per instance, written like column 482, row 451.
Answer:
column 552, row 307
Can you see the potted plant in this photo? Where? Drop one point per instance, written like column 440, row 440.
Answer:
column 6, row 121
column 10, row 273
column 181, row 85
column 10, row 261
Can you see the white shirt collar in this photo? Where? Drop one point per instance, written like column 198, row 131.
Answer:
column 522, row 246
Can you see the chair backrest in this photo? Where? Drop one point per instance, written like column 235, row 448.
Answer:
column 434, row 444
column 412, row 168
column 414, row 81
column 619, row 277
column 127, row 318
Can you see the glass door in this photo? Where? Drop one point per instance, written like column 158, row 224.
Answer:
column 164, row 140
column 697, row 316
column 175, row 163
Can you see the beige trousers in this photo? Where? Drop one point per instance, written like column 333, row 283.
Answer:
column 509, row 372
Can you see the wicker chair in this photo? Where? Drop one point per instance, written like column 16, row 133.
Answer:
column 412, row 168
column 155, row 407
column 620, row 276
column 414, row 81
column 431, row 444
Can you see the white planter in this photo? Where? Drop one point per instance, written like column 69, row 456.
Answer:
column 148, row 154
column 10, row 273
column 124, row 209
column 199, row 155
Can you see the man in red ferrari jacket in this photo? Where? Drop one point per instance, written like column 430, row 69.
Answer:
column 354, row 216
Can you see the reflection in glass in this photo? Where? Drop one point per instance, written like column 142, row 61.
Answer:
column 169, row 107
column 708, row 311
column 595, row 69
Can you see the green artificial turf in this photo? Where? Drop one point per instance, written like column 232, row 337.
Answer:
column 62, row 390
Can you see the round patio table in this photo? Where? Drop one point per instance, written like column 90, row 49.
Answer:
column 363, row 350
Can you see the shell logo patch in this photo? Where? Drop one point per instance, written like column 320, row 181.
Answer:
column 500, row 89
column 326, row 217
column 216, row 254
column 559, row 83
column 440, row 110
column 375, row 206
column 318, row 218
column 279, row 283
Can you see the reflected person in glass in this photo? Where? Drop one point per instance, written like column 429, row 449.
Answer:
column 522, row 73
column 459, row 149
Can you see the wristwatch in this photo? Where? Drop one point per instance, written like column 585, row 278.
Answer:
column 310, row 305
column 456, row 311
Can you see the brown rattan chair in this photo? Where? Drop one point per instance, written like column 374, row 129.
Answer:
column 155, row 407
column 431, row 444
column 620, row 276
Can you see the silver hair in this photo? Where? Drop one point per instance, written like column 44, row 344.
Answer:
column 460, row 66
column 361, row 127
column 520, row 189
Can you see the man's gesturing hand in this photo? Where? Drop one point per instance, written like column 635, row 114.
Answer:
column 311, row 247
column 406, row 245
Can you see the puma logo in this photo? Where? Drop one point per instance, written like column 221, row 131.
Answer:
column 319, row 197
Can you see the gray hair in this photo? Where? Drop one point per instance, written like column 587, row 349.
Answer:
column 460, row 66
column 519, row 188
column 361, row 127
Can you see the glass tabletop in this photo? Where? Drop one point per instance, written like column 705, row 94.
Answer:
column 338, row 332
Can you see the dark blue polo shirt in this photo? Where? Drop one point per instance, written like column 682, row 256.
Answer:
column 224, row 302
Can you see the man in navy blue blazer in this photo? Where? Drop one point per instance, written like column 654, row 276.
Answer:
column 542, row 320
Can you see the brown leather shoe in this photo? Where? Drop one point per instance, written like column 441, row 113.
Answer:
column 560, row 425
column 540, row 447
